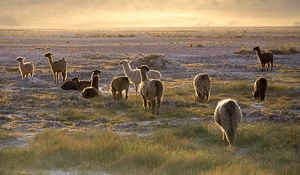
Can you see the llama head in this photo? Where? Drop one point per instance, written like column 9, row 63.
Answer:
column 144, row 68
column 96, row 72
column 124, row 62
column 255, row 94
column 19, row 59
column 48, row 54
column 76, row 79
column 256, row 48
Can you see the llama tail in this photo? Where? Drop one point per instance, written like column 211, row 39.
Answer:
column 159, row 88
column 231, row 107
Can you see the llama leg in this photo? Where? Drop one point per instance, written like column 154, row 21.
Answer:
column 149, row 104
column 207, row 96
column 152, row 106
column 158, row 105
column 224, row 137
column 144, row 102
column 262, row 96
column 271, row 65
column 198, row 96
column 268, row 66
column 57, row 77
column 23, row 76
column 64, row 75
column 120, row 95
column 262, row 67
column 126, row 94
column 114, row 94
column 54, row 76
column 136, row 88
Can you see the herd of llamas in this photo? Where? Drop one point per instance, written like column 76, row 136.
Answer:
column 148, row 83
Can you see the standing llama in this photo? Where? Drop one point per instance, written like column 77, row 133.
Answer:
column 118, row 85
column 151, row 90
column 58, row 66
column 134, row 75
column 26, row 68
column 227, row 116
column 202, row 87
column 264, row 58
column 260, row 87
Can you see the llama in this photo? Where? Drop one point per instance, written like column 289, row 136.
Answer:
column 227, row 116
column 134, row 75
column 58, row 66
column 92, row 91
column 118, row 85
column 202, row 87
column 151, row 90
column 260, row 87
column 70, row 85
column 264, row 58
column 26, row 68
column 77, row 84
column 86, row 83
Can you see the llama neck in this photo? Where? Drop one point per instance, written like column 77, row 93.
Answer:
column 21, row 63
column 50, row 60
column 144, row 76
column 127, row 69
column 93, row 74
column 258, row 53
column 95, row 82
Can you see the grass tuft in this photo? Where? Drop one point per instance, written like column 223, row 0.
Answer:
column 185, row 150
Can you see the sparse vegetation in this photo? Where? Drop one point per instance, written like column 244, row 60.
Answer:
column 98, row 134
column 196, row 45
column 280, row 50
column 4, row 134
column 284, row 50
column 185, row 150
column 244, row 51
column 108, row 35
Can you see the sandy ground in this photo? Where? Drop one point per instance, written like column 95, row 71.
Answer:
column 89, row 50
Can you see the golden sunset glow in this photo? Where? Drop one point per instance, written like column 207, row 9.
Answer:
column 148, row 13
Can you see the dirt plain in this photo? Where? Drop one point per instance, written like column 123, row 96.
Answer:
column 29, row 106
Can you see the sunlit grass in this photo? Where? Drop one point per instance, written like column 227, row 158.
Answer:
column 277, row 50
column 5, row 97
column 4, row 134
column 262, row 148
column 179, row 102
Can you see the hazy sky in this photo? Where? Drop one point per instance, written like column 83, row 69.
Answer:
column 148, row 13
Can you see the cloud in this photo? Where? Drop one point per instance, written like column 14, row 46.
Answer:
column 146, row 13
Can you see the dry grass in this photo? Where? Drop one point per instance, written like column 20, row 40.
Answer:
column 279, row 50
column 196, row 45
column 244, row 51
column 5, row 97
column 4, row 134
column 185, row 150
column 108, row 35
column 284, row 50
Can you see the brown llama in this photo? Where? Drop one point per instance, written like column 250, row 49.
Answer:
column 260, row 87
column 264, row 58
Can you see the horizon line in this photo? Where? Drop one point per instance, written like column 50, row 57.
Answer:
column 114, row 28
